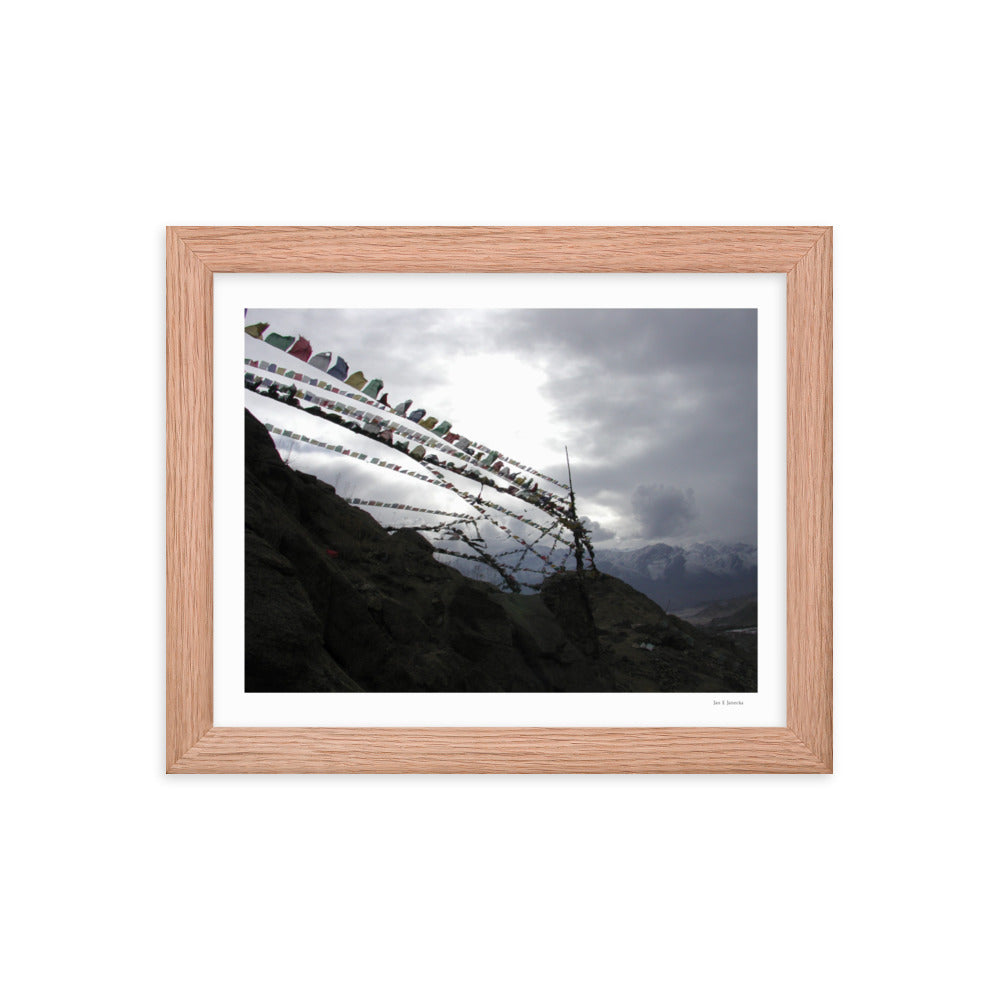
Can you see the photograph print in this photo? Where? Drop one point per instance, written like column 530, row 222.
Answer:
column 500, row 500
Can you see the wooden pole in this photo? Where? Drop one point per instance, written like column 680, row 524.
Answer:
column 577, row 541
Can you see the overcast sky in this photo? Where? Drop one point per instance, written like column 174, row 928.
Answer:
column 657, row 406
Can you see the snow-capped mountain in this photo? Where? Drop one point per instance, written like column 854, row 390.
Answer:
column 683, row 576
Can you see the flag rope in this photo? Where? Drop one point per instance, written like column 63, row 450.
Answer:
column 483, row 472
column 475, row 502
column 368, row 401
column 434, row 468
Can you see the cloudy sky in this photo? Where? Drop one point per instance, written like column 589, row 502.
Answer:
column 657, row 406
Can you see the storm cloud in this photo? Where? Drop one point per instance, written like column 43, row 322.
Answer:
column 597, row 532
column 663, row 511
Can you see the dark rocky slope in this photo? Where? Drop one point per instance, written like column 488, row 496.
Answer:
column 334, row 602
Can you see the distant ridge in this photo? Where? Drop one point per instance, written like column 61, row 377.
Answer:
column 685, row 576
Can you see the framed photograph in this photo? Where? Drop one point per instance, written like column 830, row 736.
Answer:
column 499, row 500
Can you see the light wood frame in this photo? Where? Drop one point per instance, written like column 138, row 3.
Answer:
column 803, row 253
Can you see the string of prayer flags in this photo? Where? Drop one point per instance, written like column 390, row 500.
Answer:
column 301, row 348
column 478, row 504
column 405, row 506
column 392, row 425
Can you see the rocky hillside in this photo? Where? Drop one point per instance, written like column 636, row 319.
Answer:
column 334, row 602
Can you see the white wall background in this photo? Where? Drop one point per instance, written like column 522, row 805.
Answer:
column 878, row 118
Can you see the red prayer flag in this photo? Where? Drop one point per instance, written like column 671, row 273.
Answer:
column 301, row 349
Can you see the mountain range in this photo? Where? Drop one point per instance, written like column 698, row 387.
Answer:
column 685, row 576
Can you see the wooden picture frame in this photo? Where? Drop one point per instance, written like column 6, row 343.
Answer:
column 802, row 253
